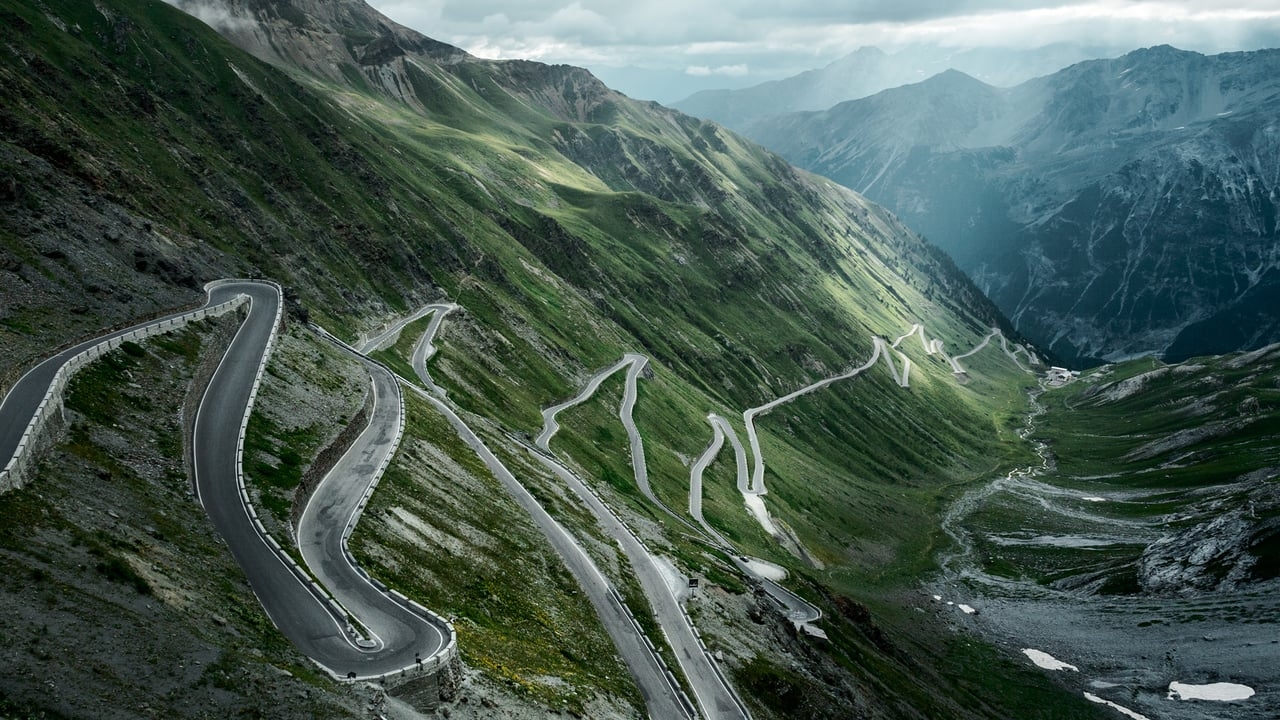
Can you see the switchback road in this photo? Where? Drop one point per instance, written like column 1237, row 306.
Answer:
column 301, row 611
column 299, row 608
column 397, row 635
column 662, row 695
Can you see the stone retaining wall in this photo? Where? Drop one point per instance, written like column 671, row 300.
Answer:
column 328, row 457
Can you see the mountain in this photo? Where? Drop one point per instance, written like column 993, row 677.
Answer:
column 869, row 70
column 1114, row 208
column 371, row 170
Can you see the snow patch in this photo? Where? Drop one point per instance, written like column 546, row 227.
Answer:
column 755, row 505
column 1046, row 661
column 1222, row 692
column 1118, row 708
column 766, row 569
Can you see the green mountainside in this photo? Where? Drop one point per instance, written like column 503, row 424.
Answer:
column 371, row 170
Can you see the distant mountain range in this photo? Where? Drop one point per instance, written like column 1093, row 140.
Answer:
column 869, row 70
column 1113, row 208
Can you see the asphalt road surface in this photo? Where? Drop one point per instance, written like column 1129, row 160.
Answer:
column 24, row 397
column 662, row 695
column 296, row 607
column 662, row 699
column 399, row 637
column 714, row 696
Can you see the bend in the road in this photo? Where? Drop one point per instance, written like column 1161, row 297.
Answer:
column 31, row 400
column 713, row 693
column 402, row 633
column 425, row 348
column 662, row 696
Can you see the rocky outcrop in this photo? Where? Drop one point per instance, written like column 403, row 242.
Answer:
column 1231, row 545
column 327, row 458
column 425, row 691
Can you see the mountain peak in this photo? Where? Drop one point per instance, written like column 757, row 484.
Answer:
column 862, row 54
column 1164, row 51
column 953, row 78
column 317, row 36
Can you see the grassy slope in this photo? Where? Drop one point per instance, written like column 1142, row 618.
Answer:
column 1174, row 447
column 567, row 241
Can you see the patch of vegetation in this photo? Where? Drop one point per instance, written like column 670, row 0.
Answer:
column 274, row 461
column 117, row 569
column 309, row 393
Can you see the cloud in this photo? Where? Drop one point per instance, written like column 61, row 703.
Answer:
column 670, row 30
column 712, row 39
column 215, row 15
column 738, row 70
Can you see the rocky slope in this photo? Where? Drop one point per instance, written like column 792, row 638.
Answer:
column 1114, row 208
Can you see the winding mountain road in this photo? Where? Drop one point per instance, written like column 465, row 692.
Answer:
column 314, row 623
column 798, row 609
column 24, row 397
column 714, row 695
column 400, row 633
column 662, row 695
column 635, row 364
column 390, row 626
column 902, row 378
column 425, row 348
column 394, row 634
column 757, row 473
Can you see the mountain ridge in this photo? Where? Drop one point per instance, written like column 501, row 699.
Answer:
column 869, row 70
column 1035, row 192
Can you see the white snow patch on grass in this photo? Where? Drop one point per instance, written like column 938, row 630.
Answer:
column 1118, row 708
column 1046, row 661
column 1223, row 692
column 755, row 505
column 766, row 569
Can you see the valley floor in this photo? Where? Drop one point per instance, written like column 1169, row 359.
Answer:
column 1059, row 558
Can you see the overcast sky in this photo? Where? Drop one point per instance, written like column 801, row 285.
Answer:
column 665, row 49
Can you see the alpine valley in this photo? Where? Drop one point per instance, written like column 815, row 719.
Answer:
column 671, row 428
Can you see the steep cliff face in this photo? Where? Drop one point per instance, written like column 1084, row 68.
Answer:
column 1117, row 207
column 324, row 38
